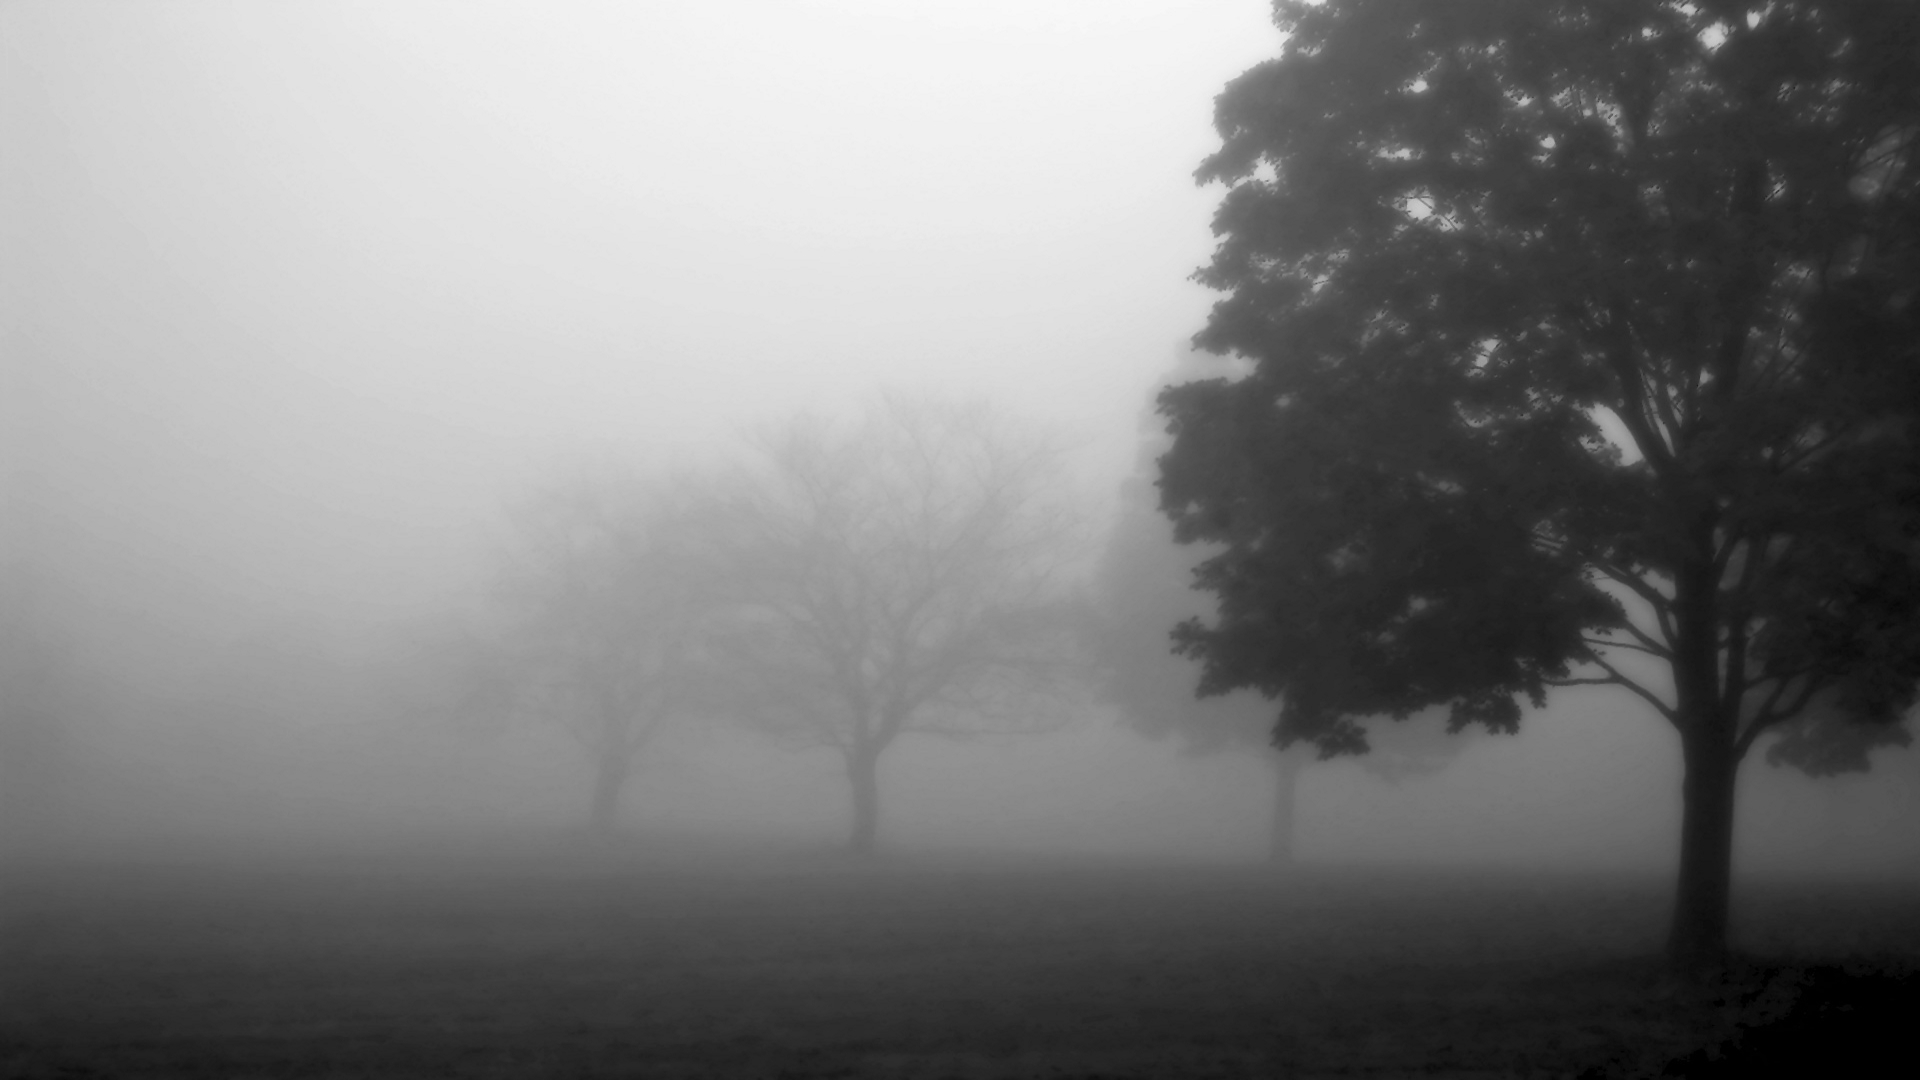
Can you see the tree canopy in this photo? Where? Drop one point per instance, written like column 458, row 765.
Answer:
column 1142, row 587
column 1584, row 345
column 901, row 573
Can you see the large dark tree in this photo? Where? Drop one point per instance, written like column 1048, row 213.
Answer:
column 1584, row 344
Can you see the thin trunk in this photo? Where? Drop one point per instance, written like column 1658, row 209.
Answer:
column 1286, row 771
column 609, row 780
column 863, row 776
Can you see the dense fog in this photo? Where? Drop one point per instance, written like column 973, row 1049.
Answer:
column 301, row 300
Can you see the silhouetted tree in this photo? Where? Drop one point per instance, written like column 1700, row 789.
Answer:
column 903, row 573
column 1583, row 344
column 602, row 608
column 1144, row 587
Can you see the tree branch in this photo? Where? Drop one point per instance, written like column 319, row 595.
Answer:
column 1634, row 583
column 1649, row 649
column 1619, row 679
column 1768, row 715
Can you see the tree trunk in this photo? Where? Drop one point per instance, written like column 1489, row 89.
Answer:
column 1697, row 940
column 609, row 779
column 1286, row 771
column 863, row 774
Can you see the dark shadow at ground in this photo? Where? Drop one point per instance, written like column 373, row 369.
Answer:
column 664, row 962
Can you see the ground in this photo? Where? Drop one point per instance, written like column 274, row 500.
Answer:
column 649, row 963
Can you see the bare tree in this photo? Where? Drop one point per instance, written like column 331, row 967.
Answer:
column 904, row 573
column 602, row 614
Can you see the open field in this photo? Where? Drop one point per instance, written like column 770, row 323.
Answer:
column 674, row 964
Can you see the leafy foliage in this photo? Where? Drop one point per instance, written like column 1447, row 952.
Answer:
column 1143, row 589
column 1581, row 330
column 1145, row 586
column 1584, row 342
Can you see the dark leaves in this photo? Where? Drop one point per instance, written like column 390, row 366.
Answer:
column 1456, row 238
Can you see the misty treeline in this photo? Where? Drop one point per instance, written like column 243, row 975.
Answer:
column 919, row 567
column 911, row 570
column 1573, row 346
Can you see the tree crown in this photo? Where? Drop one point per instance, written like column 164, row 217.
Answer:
column 1581, row 332
column 904, row 571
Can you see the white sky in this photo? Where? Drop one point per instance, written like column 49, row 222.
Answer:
column 299, row 290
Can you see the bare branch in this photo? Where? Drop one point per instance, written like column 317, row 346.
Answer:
column 1770, row 713
column 1648, row 649
column 1616, row 677
column 888, row 555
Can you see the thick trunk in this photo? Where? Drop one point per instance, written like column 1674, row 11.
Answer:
column 1286, row 770
column 1697, row 939
column 609, row 779
column 863, row 774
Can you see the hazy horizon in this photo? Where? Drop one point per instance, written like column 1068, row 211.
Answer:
column 298, row 296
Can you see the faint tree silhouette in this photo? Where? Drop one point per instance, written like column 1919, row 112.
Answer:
column 600, row 608
column 902, row 573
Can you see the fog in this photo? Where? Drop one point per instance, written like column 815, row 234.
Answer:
column 299, row 297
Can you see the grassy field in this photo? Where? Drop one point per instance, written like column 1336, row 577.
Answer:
column 653, row 964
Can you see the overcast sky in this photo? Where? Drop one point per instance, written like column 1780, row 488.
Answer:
column 293, row 295
column 299, row 290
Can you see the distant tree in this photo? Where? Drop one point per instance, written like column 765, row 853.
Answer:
column 904, row 573
column 600, row 609
column 1583, row 346
column 1144, row 587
